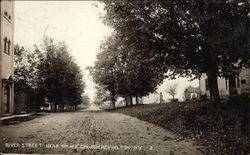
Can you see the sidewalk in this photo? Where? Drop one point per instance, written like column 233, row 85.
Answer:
column 19, row 117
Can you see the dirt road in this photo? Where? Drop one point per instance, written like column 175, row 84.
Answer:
column 91, row 131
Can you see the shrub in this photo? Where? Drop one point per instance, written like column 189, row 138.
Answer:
column 173, row 100
column 203, row 97
column 238, row 100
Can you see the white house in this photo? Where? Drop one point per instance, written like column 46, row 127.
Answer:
column 239, row 84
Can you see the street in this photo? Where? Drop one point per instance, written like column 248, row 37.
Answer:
column 91, row 131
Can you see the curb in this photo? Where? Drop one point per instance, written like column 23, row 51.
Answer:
column 21, row 117
column 16, row 116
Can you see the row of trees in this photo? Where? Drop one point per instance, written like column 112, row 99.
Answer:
column 155, row 39
column 48, row 73
column 121, row 71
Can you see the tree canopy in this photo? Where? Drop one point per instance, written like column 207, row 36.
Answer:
column 124, row 72
column 61, row 80
column 187, row 37
column 26, row 62
column 26, row 78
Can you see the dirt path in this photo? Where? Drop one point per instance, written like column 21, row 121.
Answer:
column 91, row 132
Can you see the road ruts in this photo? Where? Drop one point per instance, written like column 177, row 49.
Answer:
column 92, row 132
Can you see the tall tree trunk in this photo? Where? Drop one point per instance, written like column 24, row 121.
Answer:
column 213, row 87
column 212, row 77
column 131, row 100
column 113, row 102
column 55, row 109
column 126, row 101
column 137, row 101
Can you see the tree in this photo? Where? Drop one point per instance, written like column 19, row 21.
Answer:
column 102, row 96
column 104, row 72
column 26, row 79
column 186, row 37
column 25, row 64
column 172, row 90
column 123, row 72
column 60, row 77
column 85, row 100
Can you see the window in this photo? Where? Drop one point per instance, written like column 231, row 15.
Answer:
column 8, row 47
column 206, row 84
column 5, row 45
column 6, row 99
column 243, row 81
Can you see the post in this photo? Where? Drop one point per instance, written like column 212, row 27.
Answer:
column 161, row 97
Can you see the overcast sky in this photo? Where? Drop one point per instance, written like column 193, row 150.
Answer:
column 75, row 22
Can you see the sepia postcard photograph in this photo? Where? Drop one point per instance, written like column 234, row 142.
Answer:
column 125, row 77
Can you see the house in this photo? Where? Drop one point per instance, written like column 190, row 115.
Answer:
column 238, row 84
column 192, row 93
column 6, row 57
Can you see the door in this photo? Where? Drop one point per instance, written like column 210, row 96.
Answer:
column 6, row 99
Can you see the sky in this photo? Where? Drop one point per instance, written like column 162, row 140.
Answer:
column 77, row 23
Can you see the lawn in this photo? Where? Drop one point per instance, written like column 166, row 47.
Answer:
column 225, row 129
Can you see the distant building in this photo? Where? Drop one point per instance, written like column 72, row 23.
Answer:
column 192, row 93
column 238, row 84
column 6, row 57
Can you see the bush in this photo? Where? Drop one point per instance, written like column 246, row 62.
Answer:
column 238, row 99
column 173, row 100
column 203, row 97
